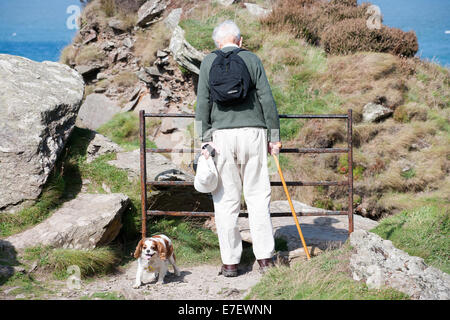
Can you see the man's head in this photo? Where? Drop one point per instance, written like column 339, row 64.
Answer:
column 226, row 33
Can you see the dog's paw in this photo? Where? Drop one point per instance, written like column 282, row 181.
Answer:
column 177, row 273
column 136, row 285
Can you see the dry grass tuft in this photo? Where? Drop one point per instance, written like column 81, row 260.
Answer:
column 149, row 41
column 89, row 54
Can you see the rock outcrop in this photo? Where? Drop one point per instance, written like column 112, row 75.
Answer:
column 89, row 221
column 184, row 53
column 39, row 103
column 150, row 10
column 379, row 263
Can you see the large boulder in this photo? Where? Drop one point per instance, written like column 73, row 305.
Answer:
column 88, row 221
column 150, row 10
column 184, row 53
column 39, row 103
column 97, row 109
column 379, row 263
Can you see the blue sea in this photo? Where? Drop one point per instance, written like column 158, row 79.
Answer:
column 36, row 29
column 428, row 18
column 39, row 30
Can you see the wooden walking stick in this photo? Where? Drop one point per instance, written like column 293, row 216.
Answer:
column 292, row 207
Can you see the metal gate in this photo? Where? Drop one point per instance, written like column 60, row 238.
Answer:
column 348, row 183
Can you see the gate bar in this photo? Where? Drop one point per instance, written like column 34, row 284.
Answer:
column 350, row 171
column 272, row 183
column 143, row 159
column 283, row 150
column 283, row 116
column 245, row 213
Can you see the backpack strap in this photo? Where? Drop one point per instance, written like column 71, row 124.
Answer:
column 219, row 52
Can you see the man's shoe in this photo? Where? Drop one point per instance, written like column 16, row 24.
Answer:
column 265, row 264
column 229, row 270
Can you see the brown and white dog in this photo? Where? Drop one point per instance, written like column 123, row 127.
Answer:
column 155, row 254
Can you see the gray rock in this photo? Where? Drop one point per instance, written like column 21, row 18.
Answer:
column 96, row 110
column 173, row 18
column 318, row 231
column 144, row 76
column 117, row 25
column 379, row 263
column 89, row 36
column 153, row 71
column 127, row 42
column 122, row 54
column 161, row 54
column 38, row 107
column 88, row 221
column 87, row 70
column 108, row 45
column 184, row 53
column 373, row 112
column 100, row 145
column 149, row 11
column 130, row 105
column 256, row 10
column 102, row 76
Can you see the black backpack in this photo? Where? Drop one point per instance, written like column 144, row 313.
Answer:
column 229, row 79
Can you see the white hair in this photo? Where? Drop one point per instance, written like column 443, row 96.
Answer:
column 226, row 29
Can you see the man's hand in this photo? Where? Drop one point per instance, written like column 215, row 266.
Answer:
column 205, row 152
column 274, row 147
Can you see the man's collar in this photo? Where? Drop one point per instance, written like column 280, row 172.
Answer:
column 230, row 45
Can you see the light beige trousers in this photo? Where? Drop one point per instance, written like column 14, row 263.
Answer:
column 242, row 166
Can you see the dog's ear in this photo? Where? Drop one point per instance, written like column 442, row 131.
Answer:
column 162, row 250
column 138, row 251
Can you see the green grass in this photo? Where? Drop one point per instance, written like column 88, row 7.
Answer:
column 104, row 296
column 325, row 277
column 123, row 129
column 26, row 285
column 193, row 244
column 48, row 201
column 91, row 262
column 423, row 232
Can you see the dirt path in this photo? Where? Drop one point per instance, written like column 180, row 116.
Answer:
column 195, row 283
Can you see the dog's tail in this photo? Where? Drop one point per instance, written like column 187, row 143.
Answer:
column 174, row 258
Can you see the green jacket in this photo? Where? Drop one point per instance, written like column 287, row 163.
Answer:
column 258, row 109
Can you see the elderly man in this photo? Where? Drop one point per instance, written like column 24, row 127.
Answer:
column 242, row 133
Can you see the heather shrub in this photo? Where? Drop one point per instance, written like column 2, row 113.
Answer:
column 351, row 35
column 339, row 26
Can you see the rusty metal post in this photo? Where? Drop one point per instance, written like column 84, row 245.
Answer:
column 143, row 173
column 350, row 171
